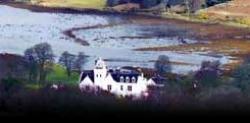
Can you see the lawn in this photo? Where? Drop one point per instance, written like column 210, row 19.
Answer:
column 95, row 4
column 59, row 75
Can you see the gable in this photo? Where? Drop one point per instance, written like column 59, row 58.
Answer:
column 86, row 81
column 89, row 73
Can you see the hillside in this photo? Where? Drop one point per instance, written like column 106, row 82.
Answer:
column 96, row 4
column 236, row 11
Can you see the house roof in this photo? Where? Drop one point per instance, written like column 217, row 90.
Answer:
column 159, row 80
column 118, row 74
column 89, row 73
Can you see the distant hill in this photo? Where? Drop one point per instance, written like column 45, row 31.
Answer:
column 236, row 10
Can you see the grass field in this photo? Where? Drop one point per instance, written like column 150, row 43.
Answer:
column 59, row 75
column 94, row 4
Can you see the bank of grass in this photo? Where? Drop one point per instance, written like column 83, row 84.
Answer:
column 92, row 4
column 203, row 17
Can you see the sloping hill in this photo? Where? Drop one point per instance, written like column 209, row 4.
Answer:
column 236, row 10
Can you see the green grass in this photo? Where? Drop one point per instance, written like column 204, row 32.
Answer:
column 95, row 4
column 33, row 86
column 59, row 75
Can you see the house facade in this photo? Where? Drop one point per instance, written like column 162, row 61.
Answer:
column 121, row 82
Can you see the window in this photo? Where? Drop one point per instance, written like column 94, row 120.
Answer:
column 109, row 87
column 121, row 88
column 129, row 88
column 133, row 79
column 127, row 79
column 121, row 79
column 87, row 88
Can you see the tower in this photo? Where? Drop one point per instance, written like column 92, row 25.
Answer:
column 100, row 71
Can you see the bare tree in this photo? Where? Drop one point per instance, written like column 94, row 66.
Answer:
column 80, row 61
column 67, row 60
column 31, row 65
column 44, row 57
column 193, row 5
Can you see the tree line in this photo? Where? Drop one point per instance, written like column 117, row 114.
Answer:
column 191, row 5
column 37, row 62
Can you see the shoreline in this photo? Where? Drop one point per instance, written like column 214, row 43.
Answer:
column 74, row 10
column 66, row 10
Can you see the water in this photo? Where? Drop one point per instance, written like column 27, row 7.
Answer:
column 21, row 29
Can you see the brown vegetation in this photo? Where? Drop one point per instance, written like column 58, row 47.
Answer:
column 235, row 11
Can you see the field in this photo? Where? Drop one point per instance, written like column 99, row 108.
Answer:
column 95, row 4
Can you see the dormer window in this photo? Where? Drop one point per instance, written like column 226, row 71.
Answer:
column 133, row 80
column 121, row 79
column 127, row 79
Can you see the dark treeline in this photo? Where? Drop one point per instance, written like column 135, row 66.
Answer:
column 152, row 3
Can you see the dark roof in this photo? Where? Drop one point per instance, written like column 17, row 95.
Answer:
column 117, row 74
column 89, row 73
column 159, row 79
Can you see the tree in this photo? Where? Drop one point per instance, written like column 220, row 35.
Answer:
column 193, row 5
column 42, row 54
column 67, row 60
column 31, row 65
column 209, row 73
column 162, row 65
column 112, row 3
column 242, row 76
column 80, row 61
column 150, row 3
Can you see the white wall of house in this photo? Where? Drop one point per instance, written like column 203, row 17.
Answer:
column 105, row 81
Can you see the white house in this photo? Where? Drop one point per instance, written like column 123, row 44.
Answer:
column 122, row 82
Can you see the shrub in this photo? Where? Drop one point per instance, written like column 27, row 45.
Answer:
column 203, row 16
column 163, row 65
column 242, row 77
column 245, row 21
column 209, row 74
